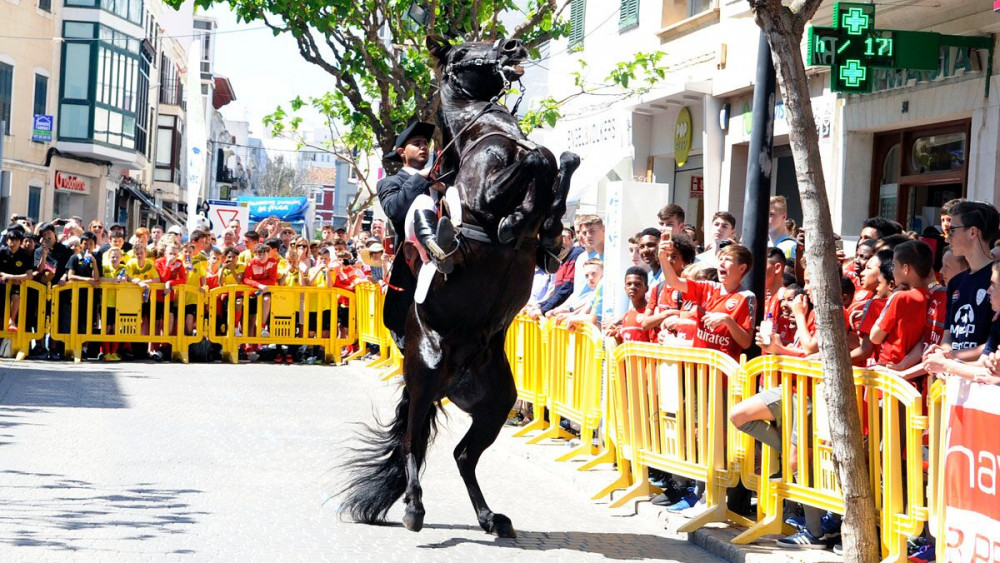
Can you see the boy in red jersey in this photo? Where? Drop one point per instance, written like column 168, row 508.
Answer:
column 725, row 312
column 663, row 302
column 863, row 319
column 900, row 327
column 172, row 273
column 261, row 273
column 630, row 328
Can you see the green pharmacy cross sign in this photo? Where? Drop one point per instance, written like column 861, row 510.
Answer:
column 853, row 47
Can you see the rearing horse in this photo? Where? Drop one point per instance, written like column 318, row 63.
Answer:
column 513, row 198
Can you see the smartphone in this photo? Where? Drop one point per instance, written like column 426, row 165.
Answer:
column 839, row 245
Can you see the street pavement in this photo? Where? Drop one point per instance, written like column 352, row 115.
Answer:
column 170, row 462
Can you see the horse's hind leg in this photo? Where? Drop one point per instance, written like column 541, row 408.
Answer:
column 423, row 383
column 495, row 396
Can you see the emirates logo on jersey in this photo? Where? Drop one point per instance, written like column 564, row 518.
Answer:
column 731, row 304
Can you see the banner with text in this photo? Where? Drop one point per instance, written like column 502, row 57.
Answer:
column 972, row 506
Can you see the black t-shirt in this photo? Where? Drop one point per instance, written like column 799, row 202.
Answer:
column 82, row 265
column 994, row 341
column 15, row 263
column 56, row 260
column 969, row 312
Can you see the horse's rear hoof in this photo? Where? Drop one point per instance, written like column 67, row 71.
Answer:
column 503, row 527
column 413, row 520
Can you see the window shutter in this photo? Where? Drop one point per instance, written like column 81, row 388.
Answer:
column 576, row 18
column 628, row 15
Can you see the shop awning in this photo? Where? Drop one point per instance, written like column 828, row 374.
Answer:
column 594, row 168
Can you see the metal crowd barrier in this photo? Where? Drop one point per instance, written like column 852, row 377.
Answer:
column 31, row 322
column 298, row 316
column 371, row 332
column 572, row 359
column 671, row 402
column 895, row 423
column 79, row 314
column 524, row 352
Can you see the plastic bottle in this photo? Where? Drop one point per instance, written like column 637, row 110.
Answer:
column 767, row 329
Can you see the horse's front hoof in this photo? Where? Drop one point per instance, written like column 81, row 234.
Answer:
column 413, row 520
column 503, row 527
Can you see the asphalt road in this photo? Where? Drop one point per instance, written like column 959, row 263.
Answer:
column 163, row 462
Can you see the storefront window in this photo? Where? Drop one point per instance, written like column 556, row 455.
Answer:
column 938, row 153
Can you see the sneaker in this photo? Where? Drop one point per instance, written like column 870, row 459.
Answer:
column 802, row 540
column 696, row 509
column 838, row 549
column 264, row 333
column 156, row 356
column 923, row 554
column 830, row 524
column 687, row 501
column 515, row 419
column 112, row 357
column 279, row 358
column 238, row 333
column 253, row 356
column 289, row 359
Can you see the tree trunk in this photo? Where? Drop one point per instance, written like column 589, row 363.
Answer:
column 783, row 27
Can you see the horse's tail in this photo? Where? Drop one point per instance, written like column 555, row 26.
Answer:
column 376, row 470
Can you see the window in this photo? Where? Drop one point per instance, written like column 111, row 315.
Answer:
column 628, row 15
column 34, row 203
column 166, row 149
column 696, row 7
column 41, row 94
column 318, row 196
column 676, row 11
column 576, row 17
column 6, row 95
column 45, row 5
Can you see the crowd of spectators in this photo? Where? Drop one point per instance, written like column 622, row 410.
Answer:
column 270, row 254
column 918, row 306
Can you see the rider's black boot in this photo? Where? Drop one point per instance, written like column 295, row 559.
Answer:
column 439, row 240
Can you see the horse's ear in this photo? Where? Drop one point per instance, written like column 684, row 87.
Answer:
column 438, row 46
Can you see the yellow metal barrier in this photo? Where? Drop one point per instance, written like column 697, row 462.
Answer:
column 79, row 315
column 296, row 317
column 524, row 353
column 31, row 322
column 368, row 302
column 895, row 418
column 573, row 357
column 672, row 404
column 617, row 440
column 937, row 442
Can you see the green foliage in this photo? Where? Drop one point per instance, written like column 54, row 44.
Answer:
column 625, row 80
column 377, row 57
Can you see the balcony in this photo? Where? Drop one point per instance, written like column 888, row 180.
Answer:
column 172, row 93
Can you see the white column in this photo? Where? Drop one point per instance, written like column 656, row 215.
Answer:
column 714, row 148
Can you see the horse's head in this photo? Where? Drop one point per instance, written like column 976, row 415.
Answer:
column 478, row 71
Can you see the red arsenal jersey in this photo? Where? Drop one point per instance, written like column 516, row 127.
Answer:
column 632, row 328
column 937, row 312
column 259, row 274
column 903, row 319
column 711, row 297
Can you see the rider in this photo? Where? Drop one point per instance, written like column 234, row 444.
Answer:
column 407, row 202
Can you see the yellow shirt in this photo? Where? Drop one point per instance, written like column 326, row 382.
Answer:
column 197, row 270
column 244, row 258
column 318, row 278
column 110, row 272
column 147, row 272
column 227, row 276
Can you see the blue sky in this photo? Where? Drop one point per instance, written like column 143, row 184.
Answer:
column 265, row 71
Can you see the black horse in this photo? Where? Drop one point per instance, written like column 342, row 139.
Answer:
column 514, row 196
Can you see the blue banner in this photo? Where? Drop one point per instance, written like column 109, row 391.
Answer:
column 41, row 128
column 289, row 209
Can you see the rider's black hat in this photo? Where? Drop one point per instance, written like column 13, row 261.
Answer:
column 415, row 129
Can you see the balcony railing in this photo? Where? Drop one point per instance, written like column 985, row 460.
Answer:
column 172, row 92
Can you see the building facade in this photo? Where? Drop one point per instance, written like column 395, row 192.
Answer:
column 28, row 80
column 919, row 139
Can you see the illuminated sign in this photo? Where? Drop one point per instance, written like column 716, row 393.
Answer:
column 853, row 48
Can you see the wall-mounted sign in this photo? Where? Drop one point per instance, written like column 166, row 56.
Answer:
column 697, row 187
column 66, row 182
column 682, row 137
column 41, row 128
